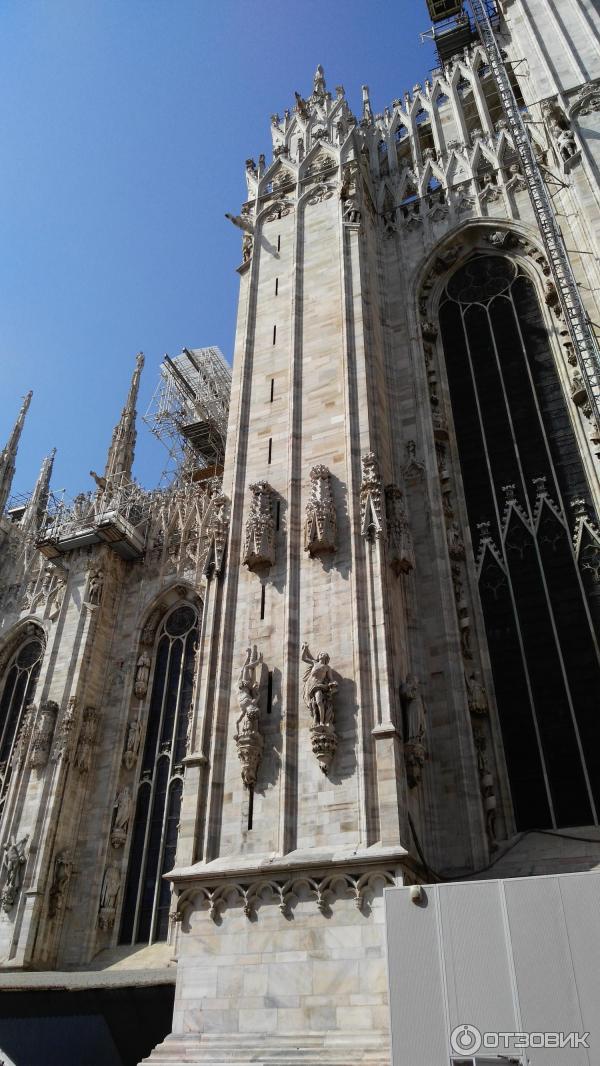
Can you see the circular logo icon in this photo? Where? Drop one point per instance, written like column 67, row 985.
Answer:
column 465, row 1038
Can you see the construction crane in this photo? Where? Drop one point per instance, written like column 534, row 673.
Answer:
column 585, row 342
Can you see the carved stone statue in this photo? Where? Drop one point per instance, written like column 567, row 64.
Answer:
column 319, row 690
column 63, row 737
column 413, row 729
column 95, row 587
column 122, row 808
column 13, row 860
column 215, row 533
column 63, row 868
column 87, row 737
column 351, row 212
column 42, row 738
column 456, row 548
column 478, row 701
column 111, row 885
column 486, row 782
column 142, row 673
column 132, row 744
column 400, row 546
column 259, row 542
column 320, row 525
column 248, row 738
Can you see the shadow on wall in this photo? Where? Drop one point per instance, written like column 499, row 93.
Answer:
column 91, row 1027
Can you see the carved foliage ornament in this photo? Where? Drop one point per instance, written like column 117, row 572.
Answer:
column 259, row 542
column 371, row 499
column 320, row 524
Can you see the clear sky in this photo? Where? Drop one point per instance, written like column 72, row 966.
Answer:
column 124, row 127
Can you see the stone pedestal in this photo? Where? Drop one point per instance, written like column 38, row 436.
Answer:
column 287, row 966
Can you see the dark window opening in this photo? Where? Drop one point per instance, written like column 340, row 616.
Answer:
column 147, row 895
column 262, row 602
column 270, row 451
column 515, row 441
column 272, row 389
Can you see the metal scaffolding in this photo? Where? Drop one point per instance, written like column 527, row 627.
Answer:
column 189, row 410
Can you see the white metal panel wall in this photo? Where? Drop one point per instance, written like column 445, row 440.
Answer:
column 519, row 955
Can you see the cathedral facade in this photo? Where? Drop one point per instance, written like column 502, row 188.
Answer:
column 365, row 652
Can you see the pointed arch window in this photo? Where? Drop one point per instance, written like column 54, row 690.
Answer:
column 521, row 467
column 17, row 691
column 147, row 895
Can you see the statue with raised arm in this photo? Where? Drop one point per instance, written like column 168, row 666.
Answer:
column 319, row 690
column 319, row 686
column 248, row 739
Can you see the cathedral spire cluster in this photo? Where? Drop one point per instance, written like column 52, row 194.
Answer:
column 9, row 453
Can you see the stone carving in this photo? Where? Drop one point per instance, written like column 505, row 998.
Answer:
column 351, row 212
column 132, row 744
column 490, row 192
column 44, row 732
column 87, row 737
column 122, row 813
column 564, row 139
column 456, row 547
column 111, row 885
column 486, row 783
column 400, row 547
column 247, row 246
column 63, row 869
column 319, row 193
column 285, row 892
column 95, row 588
column 478, row 701
column 579, row 394
column 63, row 739
column 588, row 101
column 320, row 524
column 13, row 860
column 371, row 499
column 259, row 543
column 429, row 331
column 413, row 719
column 216, row 533
column 142, row 673
column 248, row 738
column 318, row 693
column 150, row 628
column 24, row 736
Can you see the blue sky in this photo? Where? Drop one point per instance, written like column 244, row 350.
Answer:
column 124, row 127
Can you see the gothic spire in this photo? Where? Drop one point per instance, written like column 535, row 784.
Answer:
column 9, row 453
column 122, row 448
column 36, row 505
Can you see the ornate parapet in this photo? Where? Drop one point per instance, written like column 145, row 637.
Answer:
column 320, row 523
column 259, row 541
column 284, row 890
